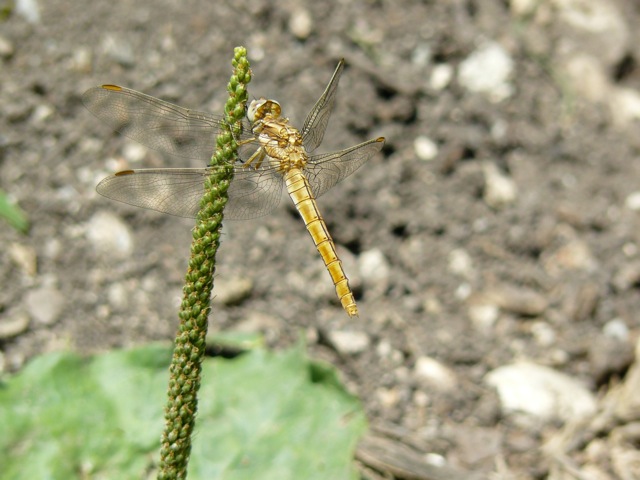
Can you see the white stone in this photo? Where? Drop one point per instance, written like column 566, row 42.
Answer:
column 134, row 152
column 483, row 316
column 374, row 267
column 488, row 70
column 29, row 10
column 594, row 26
column 435, row 373
column 633, row 201
column 591, row 15
column 617, row 329
column 460, row 262
column 42, row 113
column 301, row 23
column 587, row 76
column 388, row 397
column 118, row 49
column 541, row 392
column 6, row 48
column 349, row 342
column 523, row 7
column 624, row 105
column 118, row 295
column 82, row 60
column 425, row 148
column 544, row 334
column 109, row 235
column 25, row 257
column 500, row 190
column 441, row 76
column 421, row 55
column 573, row 255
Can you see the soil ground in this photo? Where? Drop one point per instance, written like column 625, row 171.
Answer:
column 428, row 250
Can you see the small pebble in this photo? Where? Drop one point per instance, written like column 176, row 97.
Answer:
column 617, row 329
column 109, row 235
column 6, row 48
column 14, row 325
column 231, row 291
column 488, row 70
column 441, row 76
column 301, row 23
column 460, row 263
column 519, row 300
column 349, row 342
column 435, row 373
column 374, row 268
column 633, row 201
column 119, row 50
column 29, row 10
column 44, row 304
column 500, row 190
column 25, row 257
column 425, row 148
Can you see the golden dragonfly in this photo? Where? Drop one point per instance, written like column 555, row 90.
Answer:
column 271, row 152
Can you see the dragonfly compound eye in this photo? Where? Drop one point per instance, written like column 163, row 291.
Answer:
column 256, row 110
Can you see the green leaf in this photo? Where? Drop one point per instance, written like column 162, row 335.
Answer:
column 261, row 416
column 12, row 214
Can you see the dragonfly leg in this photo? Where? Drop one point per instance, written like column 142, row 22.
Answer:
column 257, row 157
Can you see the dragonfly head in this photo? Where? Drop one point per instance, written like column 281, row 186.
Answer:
column 258, row 109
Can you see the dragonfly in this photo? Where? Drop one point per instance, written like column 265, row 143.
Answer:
column 272, row 153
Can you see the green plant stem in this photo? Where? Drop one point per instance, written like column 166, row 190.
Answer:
column 186, row 364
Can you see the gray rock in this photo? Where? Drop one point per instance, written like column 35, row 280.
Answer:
column 14, row 324
column 231, row 290
column 44, row 304
column 519, row 300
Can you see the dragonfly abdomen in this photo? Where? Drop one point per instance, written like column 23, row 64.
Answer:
column 300, row 192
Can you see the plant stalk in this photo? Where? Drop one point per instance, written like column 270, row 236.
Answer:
column 186, row 364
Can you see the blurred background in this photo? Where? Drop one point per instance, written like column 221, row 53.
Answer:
column 492, row 245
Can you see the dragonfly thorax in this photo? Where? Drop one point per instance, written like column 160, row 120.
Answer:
column 280, row 141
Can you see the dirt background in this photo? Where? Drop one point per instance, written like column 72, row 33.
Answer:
column 498, row 224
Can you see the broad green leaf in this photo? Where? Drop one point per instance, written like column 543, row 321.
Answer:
column 12, row 214
column 261, row 416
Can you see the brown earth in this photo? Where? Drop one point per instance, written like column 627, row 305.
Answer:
column 425, row 243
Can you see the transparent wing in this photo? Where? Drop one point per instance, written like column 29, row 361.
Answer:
column 318, row 118
column 177, row 191
column 325, row 170
column 157, row 124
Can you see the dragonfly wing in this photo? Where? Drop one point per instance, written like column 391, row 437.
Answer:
column 157, row 124
column 325, row 170
column 253, row 193
column 178, row 191
column 318, row 118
